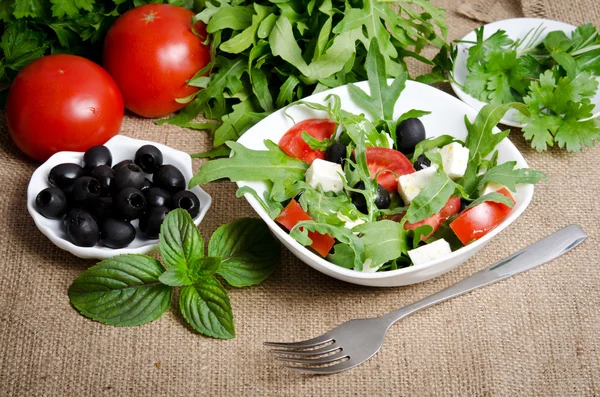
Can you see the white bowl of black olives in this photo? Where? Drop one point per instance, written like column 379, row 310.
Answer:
column 113, row 198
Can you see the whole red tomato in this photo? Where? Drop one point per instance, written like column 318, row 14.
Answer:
column 151, row 52
column 62, row 102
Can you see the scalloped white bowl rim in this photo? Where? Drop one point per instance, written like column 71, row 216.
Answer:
column 122, row 148
column 447, row 113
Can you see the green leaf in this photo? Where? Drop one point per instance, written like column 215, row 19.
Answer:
column 175, row 277
column 412, row 114
column 206, row 307
column 283, row 45
column 249, row 251
column 383, row 241
column 432, row 198
column 505, row 174
column 237, row 122
column 286, row 93
column 123, row 291
column 432, row 143
column 252, row 165
column 420, row 234
column 343, row 255
column 272, row 207
column 221, row 151
column 494, row 197
column 316, row 144
column 382, row 99
column 204, row 267
column 180, row 241
column 30, row 8
column 21, row 45
column 557, row 42
column 235, row 18
column 70, row 8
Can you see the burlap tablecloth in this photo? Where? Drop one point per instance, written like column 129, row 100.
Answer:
column 536, row 334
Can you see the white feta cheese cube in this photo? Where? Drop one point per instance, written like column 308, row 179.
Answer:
column 454, row 159
column 491, row 187
column 410, row 185
column 326, row 174
column 349, row 223
column 367, row 266
column 429, row 252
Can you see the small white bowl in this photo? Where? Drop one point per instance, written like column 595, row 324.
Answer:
column 447, row 117
column 515, row 28
column 121, row 148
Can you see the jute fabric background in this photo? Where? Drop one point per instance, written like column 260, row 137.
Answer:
column 536, row 334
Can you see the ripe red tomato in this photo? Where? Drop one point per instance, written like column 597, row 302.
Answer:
column 292, row 214
column 151, row 52
column 62, row 102
column 451, row 208
column 476, row 222
column 293, row 144
column 379, row 159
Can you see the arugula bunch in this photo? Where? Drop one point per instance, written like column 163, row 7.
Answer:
column 270, row 53
column 129, row 290
column 555, row 78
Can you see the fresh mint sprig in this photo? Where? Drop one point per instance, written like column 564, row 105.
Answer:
column 129, row 290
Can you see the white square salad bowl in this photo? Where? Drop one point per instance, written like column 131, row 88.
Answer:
column 447, row 117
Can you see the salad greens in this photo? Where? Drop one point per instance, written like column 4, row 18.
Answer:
column 377, row 240
column 270, row 53
column 553, row 76
column 128, row 290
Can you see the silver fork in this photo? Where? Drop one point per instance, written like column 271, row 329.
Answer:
column 355, row 341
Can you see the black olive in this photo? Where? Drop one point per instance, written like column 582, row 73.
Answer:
column 408, row 134
column 105, row 176
column 151, row 221
column 421, row 163
column 102, row 208
column 463, row 204
column 188, row 201
column 129, row 175
column 116, row 233
column 85, row 188
column 147, row 184
column 51, row 203
column 121, row 164
column 169, row 178
column 130, row 202
column 95, row 156
column 382, row 199
column 82, row 229
column 358, row 199
column 157, row 197
column 149, row 158
column 63, row 175
column 336, row 153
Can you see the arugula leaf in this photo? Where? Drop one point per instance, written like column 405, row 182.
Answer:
column 492, row 196
column 249, row 252
column 382, row 99
column 343, row 255
column 122, row 291
column 180, row 241
column 316, row 144
column 221, row 151
column 383, row 241
column 272, row 207
column 432, row 143
column 432, row 198
column 247, row 164
column 420, row 234
column 506, row 174
column 206, row 307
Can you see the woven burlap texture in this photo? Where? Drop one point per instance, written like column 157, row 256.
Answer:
column 535, row 334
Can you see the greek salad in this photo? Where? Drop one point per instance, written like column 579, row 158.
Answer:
column 375, row 194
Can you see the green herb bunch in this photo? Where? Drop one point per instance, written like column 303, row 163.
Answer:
column 267, row 54
column 129, row 290
column 555, row 78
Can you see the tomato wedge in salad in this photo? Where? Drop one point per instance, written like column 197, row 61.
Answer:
column 381, row 159
column 451, row 208
column 476, row 222
column 293, row 144
column 292, row 214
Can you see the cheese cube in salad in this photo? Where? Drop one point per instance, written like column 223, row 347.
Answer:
column 429, row 252
column 454, row 159
column 410, row 185
column 326, row 174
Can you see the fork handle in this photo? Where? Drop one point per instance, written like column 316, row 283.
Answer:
column 538, row 253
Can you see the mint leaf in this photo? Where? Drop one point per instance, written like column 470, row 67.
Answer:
column 506, row 174
column 175, row 277
column 383, row 241
column 206, row 307
column 248, row 251
column 382, row 98
column 180, row 241
column 432, row 198
column 252, row 165
column 122, row 291
column 203, row 267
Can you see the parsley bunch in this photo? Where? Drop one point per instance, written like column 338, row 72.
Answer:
column 555, row 78
column 128, row 290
